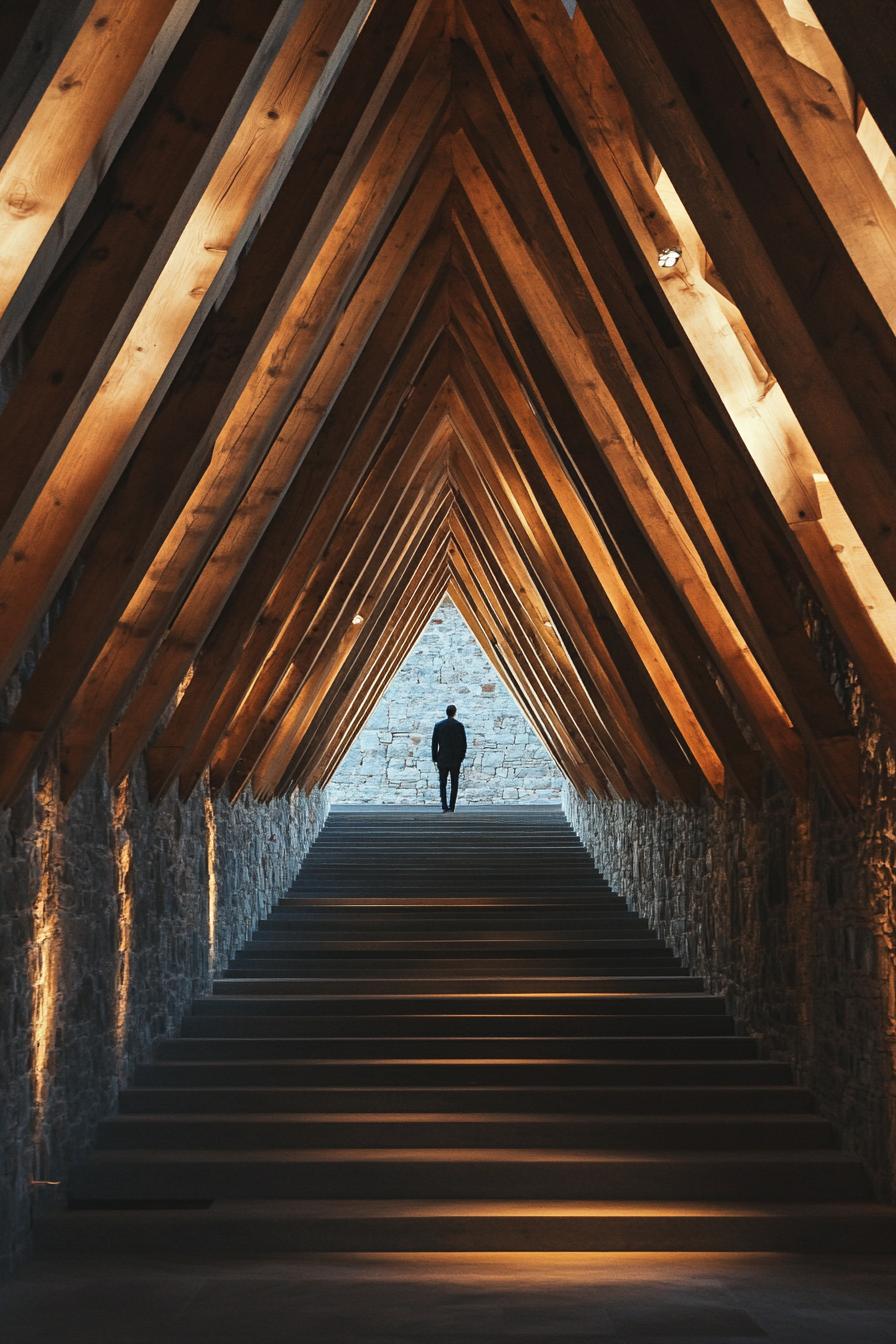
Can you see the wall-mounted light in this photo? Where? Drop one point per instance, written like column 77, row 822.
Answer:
column 669, row 257
column 357, row 619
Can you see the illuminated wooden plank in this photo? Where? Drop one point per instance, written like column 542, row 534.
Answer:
column 526, row 520
column 326, row 549
column 566, row 761
column 571, row 347
column 567, row 720
column 412, row 613
column 351, row 438
column 241, row 188
column 34, row 37
column 84, row 113
column 160, row 594
column 825, row 339
column 340, row 669
column 174, row 450
column 372, row 548
column 153, row 188
column 322, row 469
column 277, row 756
column 821, row 135
column 602, row 560
column 229, row 481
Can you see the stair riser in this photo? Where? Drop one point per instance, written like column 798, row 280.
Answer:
column 486, row 1049
column 465, row 926
column 447, row 1073
column 420, row 1178
column 618, row 1100
column 167, row 1235
column 487, row 1025
column 498, row 1007
column 591, row 1132
column 245, row 982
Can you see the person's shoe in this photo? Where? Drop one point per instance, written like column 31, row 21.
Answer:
column 446, row 809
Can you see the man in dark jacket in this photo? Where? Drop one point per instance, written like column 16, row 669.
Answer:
column 449, row 747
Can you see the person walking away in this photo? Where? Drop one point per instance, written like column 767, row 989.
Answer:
column 449, row 747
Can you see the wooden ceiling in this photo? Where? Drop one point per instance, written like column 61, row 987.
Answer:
column 310, row 313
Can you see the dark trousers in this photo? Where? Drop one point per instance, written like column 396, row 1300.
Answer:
column 444, row 772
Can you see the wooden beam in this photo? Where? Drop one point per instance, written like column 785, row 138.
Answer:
column 563, row 323
column 34, row 37
column 326, row 550
column 351, row 438
column 72, row 134
column 321, row 468
column 545, row 684
column 545, row 731
column 417, row 538
column 177, row 445
column 858, row 31
column 152, row 605
column 820, row 134
column 229, row 474
column 241, row 188
column 731, row 410
column 606, row 570
column 709, row 465
column 413, row 609
column 824, row 337
column 358, row 656
column 410, row 618
column 270, row 737
column 149, row 194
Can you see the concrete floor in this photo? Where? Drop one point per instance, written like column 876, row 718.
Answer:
column 464, row 1299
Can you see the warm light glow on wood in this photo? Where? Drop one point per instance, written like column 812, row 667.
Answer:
column 70, row 121
column 770, row 430
column 248, row 175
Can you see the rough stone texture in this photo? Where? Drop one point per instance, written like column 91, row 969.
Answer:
column 391, row 762
column 788, row 909
column 104, row 942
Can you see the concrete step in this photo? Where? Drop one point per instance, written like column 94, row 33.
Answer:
column 451, row 1034
column 474, row 1048
column 470, row 1173
column 243, row 980
column 283, row 1226
column 544, row 1027
column 670, row 1099
column 461, row 1072
column 492, row 944
column 464, row 924
column 354, row 1006
column 464, row 1129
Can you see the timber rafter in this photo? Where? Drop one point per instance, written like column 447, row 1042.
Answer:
column 312, row 313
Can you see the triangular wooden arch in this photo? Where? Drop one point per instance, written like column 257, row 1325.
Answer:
column 311, row 311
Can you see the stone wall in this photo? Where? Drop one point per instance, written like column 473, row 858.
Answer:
column 113, row 915
column 787, row 908
column 391, row 760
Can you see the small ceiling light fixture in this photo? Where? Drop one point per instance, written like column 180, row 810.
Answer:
column 357, row 619
column 669, row 257
column 549, row 625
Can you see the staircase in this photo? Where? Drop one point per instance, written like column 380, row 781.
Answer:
column 452, row 1035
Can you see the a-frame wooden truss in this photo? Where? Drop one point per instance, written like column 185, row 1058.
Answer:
column 310, row 312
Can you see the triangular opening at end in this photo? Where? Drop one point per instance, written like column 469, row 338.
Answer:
column 390, row 761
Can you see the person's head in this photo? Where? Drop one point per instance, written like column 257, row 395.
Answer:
column 451, row 711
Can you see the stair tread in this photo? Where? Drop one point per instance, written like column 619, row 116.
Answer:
column 517, row 1002
column 590, row 1156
